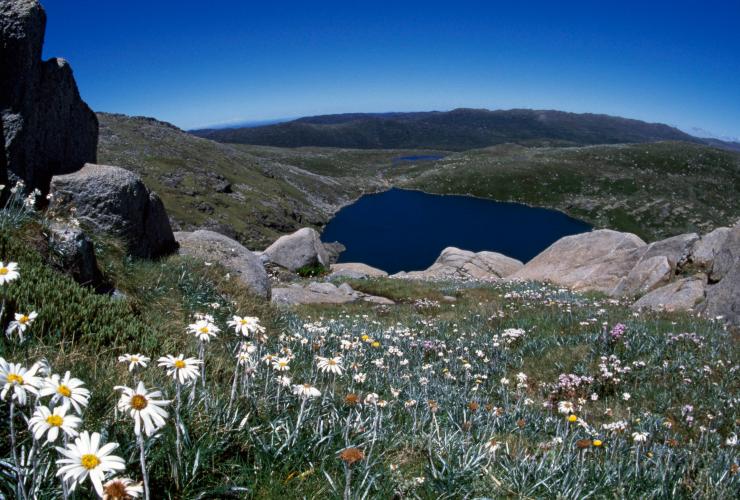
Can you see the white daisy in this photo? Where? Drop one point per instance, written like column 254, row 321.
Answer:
column 134, row 361
column 281, row 364
column 330, row 365
column 19, row 379
column 85, row 457
column 566, row 407
column 246, row 325
column 45, row 421
column 306, row 391
column 8, row 272
column 21, row 323
column 204, row 329
column 183, row 370
column 67, row 389
column 640, row 437
column 145, row 408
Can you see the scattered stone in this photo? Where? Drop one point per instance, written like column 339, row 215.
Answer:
column 297, row 250
column 355, row 270
column 214, row 247
column 595, row 261
column 454, row 263
column 681, row 295
column 46, row 127
column 115, row 201
column 74, row 253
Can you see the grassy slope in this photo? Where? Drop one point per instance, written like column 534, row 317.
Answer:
column 235, row 452
column 275, row 191
column 655, row 190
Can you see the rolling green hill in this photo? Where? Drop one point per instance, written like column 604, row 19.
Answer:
column 652, row 189
column 456, row 130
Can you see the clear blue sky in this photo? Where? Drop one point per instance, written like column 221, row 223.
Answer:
column 208, row 62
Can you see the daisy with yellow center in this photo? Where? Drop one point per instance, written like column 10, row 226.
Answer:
column 246, row 325
column 122, row 488
column 183, row 370
column 21, row 323
column 86, row 458
column 68, row 390
column 204, row 330
column 145, row 408
column 330, row 365
column 281, row 364
column 134, row 361
column 8, row 272
column 18, row 381
column 46, row 421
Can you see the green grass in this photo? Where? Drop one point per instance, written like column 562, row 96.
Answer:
column 239, row 450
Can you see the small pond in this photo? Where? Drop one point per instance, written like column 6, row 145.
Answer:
column 402, row 230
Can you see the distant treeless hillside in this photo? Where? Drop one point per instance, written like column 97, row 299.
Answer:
column 456, row 130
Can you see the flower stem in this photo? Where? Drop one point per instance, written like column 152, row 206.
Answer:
column 144, row 473
column 19, row 487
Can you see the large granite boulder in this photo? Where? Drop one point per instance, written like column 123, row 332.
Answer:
column 322, row 293
column 46, row 127
column 595, row 261
column 300, row 249
column 677, row 249
column 214, row 247
column 707, row 248
column 723, row 299
column 727, row 256
column 648, row 274
column 115, row 201
column 682, row 295
column 454, row 263
column 355, row 270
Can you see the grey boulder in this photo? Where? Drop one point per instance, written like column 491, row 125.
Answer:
column 46, row 127
column 595, row 261
column 677, row 249
column 706, row 249
column 322, row 293
column 727, row 256
column 454, row 263
column 723, row 299
column 355, row 270
column 214, row 247
column 300, row 249
column 74, row 253
column 682, row 295
column 115, row 201
column 647, row 275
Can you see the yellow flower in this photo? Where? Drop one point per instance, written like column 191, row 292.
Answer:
column 365, row 338
column 572, row 418
column 375, row 344
column 597, row 442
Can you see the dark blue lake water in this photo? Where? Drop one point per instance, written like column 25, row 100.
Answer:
column 400, row 230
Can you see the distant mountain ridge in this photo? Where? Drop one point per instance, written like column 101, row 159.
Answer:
column 456, row 130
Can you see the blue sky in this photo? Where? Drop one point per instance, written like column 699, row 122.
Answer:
column 202, row 63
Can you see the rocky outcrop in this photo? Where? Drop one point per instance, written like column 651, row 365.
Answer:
column 334, row 250
column 214, row 247
column 115, row 201
column 322, row 293
column 706, row 249
column 681, row 295
column 47, row 128
column 677, row 249
column 595, row 261
column 723, row 299
column 300, row 249
column 647, row 275
column 74, row 253
column 727, row 255
column 454, row 263
column 355, row 270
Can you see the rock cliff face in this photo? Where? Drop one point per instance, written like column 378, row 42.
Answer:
column 47, row 129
